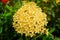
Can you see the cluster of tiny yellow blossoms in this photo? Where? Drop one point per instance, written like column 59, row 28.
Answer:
column 29, row 20
column 57, row 1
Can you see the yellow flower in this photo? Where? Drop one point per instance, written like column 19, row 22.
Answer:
column 57, row 1
column 29, row 20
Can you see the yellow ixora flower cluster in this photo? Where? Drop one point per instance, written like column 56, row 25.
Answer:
column 29, row 20
column 57, row 1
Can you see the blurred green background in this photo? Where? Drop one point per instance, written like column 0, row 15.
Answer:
column 9, row 7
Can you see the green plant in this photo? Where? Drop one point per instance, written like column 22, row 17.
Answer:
column 51, row 8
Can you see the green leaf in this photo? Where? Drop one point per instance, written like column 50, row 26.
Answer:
column 53, row 14
column 1, row 30
column 52, row 30
column 57, row 38
column 19, row 2
column 9, row 7
column 20, row 38
column 49, row 37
